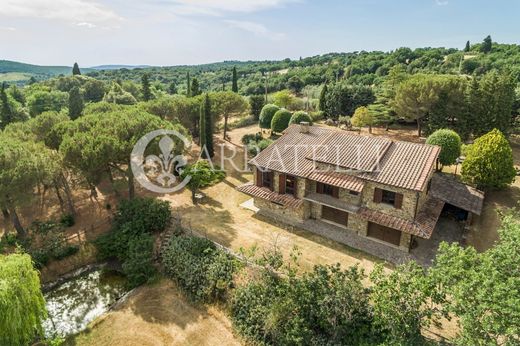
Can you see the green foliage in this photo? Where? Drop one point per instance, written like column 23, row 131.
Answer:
column 145, row 87
column 483, row 288
column 247, row 138
column 209, row 124
column 362, row 117
column 67, row 220
column 267, row 114
column 117, row 95
column 323, row 98
column 234, row 82
column 450, row 144
column 75, row 103
column 295, row 84
column 200, row 175
column 299, row 117
column 94, row 90
column 256, row 103
column 489, row 162
column 487, row 45
column 258, row 145
column 203, row 272
column 42, row 101
column 280, row 120
column 344, row 99
column 21, row 301
column 195, row 88
column 131, row 241
column 283, row 99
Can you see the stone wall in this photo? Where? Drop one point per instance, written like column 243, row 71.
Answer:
column 407, row 210
column 281, row 213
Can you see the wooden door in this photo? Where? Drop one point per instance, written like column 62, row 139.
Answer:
column 386, row 234
column 334, row 215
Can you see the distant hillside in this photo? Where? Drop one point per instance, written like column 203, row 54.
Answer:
column 117, row 67
column 17, row 72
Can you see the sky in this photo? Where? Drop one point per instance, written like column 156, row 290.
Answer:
column 178, row 32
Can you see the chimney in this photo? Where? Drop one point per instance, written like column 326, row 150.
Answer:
column 304, row 127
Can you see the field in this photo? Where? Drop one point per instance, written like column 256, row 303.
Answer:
column 14, row 77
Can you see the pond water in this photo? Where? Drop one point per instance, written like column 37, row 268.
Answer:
column 75, row 303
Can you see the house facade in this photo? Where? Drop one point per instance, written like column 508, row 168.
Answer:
column 373, row 187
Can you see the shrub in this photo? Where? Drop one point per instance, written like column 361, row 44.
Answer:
column 246, row 139
column 344, row 120
column 450, row 144
column 299, row 117
column 138, row 266
column 280, row 120
column 317, row 116
column 489, row 162
column 256, row 102
column 254, row 148
column 65, row 251
column 266, row 115
column 202, row 271
column 67, row 220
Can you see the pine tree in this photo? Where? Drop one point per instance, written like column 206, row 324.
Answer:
column 195, row 89
column 75, row 70
column 6, row 113
column 172, row 88
column 487, row 44
column 188, row 85
column 323, row 98
column 468, row 47
column 75, row 103
column 202, row 130
column 234, row 86
column 145, row 86
column 208, row 125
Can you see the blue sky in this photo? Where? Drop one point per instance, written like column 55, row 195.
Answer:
column 172, row 32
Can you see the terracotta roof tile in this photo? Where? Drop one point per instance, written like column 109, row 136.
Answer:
column 450, row 190
column 264, row 193
column 339, row 179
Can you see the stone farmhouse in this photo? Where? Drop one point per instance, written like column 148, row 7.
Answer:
column 355, row 189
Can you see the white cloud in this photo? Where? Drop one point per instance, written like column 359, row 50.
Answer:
column 217, row 7
column 87, row 25
column 82, row 11
column 441, row 2
column 255, row 28
column 7, row 28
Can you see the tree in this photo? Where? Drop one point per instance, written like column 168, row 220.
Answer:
column 21, row 301
column 202, row 132
column 195, row 88
column 283, row 98
column 75, row 103
column 201, row 174
column 172, row 89
column 343, row 99
column 299, row 117
column 450, row 144
column 280, row 120
column 42, row 101
column 209, row 124
column 483, row 288
column 117, row 95
column 75, row 70
column 226, row 104
column 295, row 84
column 234, row 84
column 266, row 115
column 323, row 98
column 145, row 87
column 6, row 113
column 486, row 45
column 188, row 85
column 467, row 48
column 489, row 162
column 94, row 90
column 256, row 103
column 362, row 117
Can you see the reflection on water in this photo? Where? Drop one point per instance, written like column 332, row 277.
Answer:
column 75, row 303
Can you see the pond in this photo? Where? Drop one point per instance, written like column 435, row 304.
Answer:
column 72, row 305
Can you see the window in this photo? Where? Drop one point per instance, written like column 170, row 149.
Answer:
column 388, row 197
column 290, row 185
column 326, row 189
column 267, row 179
column 353, row 193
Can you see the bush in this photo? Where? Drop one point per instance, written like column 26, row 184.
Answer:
column 67, row 220
column 450, row 144
column 280, row 120
column 344, row 120
column 266, row 115
column 317, row 116
column 65, row 251
column 489, row 162
column 256, row 102
column 242, row 122
column 254, row 148
column 138, row 266
column 203, row 272
column 299, row 117
column 246, row 139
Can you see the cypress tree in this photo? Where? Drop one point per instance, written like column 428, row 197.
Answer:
column 188, row 85
column 487, row 44
column 145, row 85
column 234, row 87
column 75, row 70
column 75, row 103
column 195, row 89
column 6, row 113
column 209, row 125
column 468, row 47
column 323, row 98
column 202, row 129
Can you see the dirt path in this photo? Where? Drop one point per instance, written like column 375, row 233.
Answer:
column 159, row 315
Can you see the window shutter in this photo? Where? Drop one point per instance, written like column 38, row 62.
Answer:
column 335, row 192
column 258, row 177
column 398, row 203
column 271, row 175
column 281, row 183
column 319, row 187
column 378, row 195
